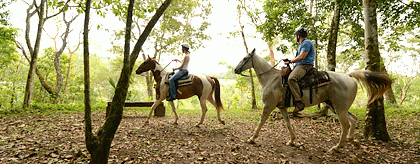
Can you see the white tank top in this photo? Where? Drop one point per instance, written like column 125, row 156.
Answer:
column 187, row 62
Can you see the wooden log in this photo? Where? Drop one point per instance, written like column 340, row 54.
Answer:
column 159, row 111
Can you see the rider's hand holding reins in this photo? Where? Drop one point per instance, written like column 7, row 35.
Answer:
column 286, row 61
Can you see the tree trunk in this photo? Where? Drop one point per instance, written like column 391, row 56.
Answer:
column 90, row 139
column 389, row 94
column 332, row 41
column 375, row 121
column 271, row 48
column 68, row 73
column 40, row 10
column 98, row 146
column 332, row 46
column 33, row 50
column 253, row 100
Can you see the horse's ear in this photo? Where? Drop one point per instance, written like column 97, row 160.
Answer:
column 253, row 51
column 148, row 56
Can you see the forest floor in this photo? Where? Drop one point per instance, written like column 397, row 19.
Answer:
column 59, row 138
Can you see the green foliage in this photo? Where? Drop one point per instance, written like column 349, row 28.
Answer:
column 7, row 46
column 4, row 13
column 283, row 18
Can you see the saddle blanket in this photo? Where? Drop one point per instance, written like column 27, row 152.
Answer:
column 184, row 80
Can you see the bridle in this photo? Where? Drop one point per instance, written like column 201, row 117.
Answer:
column 252, row 57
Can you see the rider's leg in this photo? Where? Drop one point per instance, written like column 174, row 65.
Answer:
column 297, row 74
column 172, row 87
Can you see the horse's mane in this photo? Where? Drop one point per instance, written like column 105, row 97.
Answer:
column 153, row 59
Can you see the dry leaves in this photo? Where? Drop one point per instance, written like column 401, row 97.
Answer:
column 60, row 139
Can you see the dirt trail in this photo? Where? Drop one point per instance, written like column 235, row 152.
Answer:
column 60, row 139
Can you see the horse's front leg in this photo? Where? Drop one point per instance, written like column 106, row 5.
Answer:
column 174, row 110
column 154, row 106
column 266, row 113
column 288, row 125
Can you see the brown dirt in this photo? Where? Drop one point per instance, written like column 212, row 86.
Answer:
column 60, row 139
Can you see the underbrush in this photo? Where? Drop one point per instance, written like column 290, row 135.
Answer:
column 47, row 108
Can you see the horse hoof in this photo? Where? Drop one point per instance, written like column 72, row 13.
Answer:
column 175, row 123
column 197, row 125
column 250, row 141
column 146, row 122
column 290, row 143
column 333, row 150
column 356, row 145
column 222, row 122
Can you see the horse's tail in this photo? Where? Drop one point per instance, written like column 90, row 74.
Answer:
column 219, row 104
column 376, row 83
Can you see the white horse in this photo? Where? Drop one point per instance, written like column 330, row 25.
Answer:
column 201, row 86
column 339, row 94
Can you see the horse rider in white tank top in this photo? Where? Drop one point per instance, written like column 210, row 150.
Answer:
column 182, row 71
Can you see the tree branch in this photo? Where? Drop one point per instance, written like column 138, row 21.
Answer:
column 61, row 10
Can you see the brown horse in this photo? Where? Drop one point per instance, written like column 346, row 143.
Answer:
column 203, row 87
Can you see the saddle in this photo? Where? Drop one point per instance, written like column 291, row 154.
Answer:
column 312, row 80
column 184, row 80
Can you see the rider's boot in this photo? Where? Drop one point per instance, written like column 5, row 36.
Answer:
column 299, row 106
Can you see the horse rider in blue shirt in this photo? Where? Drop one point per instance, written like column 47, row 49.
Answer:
column 303, row 62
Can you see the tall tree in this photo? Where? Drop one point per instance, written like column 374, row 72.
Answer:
column 98, row 145
column 332, row 40
column 253, row 100
column 54, row 91
column 40, row 10
column 375, row 120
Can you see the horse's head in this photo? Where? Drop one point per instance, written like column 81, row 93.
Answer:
column 245, row 63
column 147, row 65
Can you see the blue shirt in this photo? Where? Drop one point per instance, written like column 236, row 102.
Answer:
column 308, row 46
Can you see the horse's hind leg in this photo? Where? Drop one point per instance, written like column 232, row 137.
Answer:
column 174, row 110
column 266, row 113
column 288, row 125
column 203, row 111
column 344, row 121
column 350, row 136
column 211, row 100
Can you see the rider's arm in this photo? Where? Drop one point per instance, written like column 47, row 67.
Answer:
column 185, row 60
column 300, row 57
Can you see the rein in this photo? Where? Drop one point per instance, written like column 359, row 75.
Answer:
column 252, row 56
column 167, row 65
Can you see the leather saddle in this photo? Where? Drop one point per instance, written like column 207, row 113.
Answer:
column 312, row 80
column 184, row 80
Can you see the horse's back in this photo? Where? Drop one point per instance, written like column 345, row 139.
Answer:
column 342, row 90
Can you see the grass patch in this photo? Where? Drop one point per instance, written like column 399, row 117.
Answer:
column 48, row 109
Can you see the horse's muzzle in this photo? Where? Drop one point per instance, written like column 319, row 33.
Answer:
column 138, row 72
column 237, row 71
